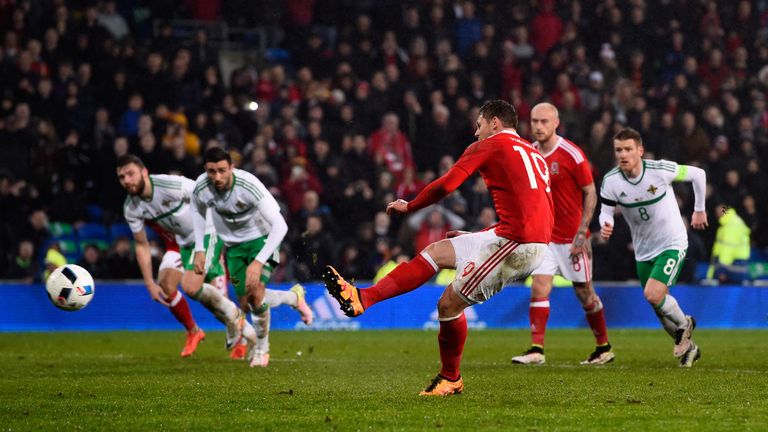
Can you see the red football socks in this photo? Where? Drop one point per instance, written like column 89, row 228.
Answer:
column 404, row 278
column 596, row 319
column 538, row 314
column 451, row 340
column 180, row 309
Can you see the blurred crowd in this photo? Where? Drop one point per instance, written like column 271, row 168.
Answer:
column 355, row 103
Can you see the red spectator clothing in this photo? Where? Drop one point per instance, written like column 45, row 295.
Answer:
column 426, row 235
column 557, row 96
column 391, row 150
column 714, row 76
column 408, row 191
column 517, row 178
column 569, row 171
column 169, row 238
column 546, row 30
column 511, row 78
column 265, row 90
column 293, row 190
column 204, row 10
column 299, row 13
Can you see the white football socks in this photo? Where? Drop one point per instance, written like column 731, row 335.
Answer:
column 276, row 298
column 670, row 315
column 221, row 307
column 261, row 324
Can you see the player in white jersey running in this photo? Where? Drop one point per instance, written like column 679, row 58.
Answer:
column 164, row 200
column 643, row 190
column 248, row 220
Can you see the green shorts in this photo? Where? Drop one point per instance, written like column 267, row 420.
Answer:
column 240, row 256
column 665, row 267
column 213, row 267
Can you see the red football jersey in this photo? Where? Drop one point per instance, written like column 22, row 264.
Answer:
column 517, row 178
column 569, row 171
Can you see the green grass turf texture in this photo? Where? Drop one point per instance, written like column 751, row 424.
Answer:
column 370, row 380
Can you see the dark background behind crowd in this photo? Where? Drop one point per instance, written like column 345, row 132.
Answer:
column 339, row 106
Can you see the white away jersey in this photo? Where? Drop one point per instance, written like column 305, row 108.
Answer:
column 649, row 206
column 238, row 213
column 169, row 207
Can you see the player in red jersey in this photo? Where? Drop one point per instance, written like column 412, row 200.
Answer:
column 570, row 252
column 518, row 181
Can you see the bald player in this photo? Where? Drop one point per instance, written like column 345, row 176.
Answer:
column 569, row 254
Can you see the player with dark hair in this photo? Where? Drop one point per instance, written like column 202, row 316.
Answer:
column 518, row 180
column 643, row 189
column 248, row 220
column 163, row 201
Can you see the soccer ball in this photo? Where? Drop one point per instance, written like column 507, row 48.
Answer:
column 70, row 287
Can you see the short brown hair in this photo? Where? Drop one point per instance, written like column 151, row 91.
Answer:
column 629, row 134
column 504, row 110
column 128, row 159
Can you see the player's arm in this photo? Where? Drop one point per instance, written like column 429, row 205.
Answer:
column 698, row 177
column 468, row 163
column 607, row 209
column 270, row 211
column 198, row 219
column 144, row 258
column 589, row 197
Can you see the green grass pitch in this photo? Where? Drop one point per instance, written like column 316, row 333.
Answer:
column 370, row 380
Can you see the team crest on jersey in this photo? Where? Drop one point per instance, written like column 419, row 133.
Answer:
column 554, row 168
column 166, row 203
column 652, row 189
column 240, row 205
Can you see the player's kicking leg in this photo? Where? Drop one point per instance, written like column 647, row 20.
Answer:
column 168, row 278
column 404, row 278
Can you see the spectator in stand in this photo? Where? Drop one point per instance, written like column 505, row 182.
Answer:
column 24, row 266
column 92, row 262
column 389, row 147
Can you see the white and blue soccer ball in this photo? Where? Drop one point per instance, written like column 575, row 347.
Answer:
column 70, row 287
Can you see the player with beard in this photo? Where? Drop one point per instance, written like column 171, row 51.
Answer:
column 248, row 220
column 164, row 201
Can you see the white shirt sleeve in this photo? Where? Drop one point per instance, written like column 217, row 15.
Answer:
column 607, row 205
column 136, row 223
column 270, row 211
column 199, row 210
column 698, row 177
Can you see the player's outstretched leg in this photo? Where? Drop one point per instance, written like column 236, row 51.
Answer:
column 344, row 292
column 294, row 297
column 404, row 278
